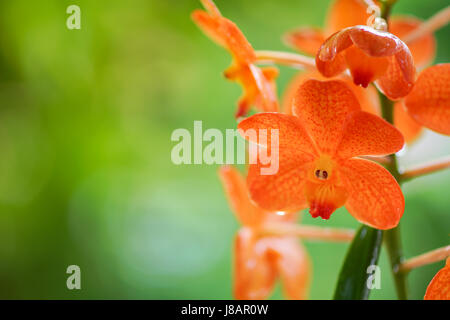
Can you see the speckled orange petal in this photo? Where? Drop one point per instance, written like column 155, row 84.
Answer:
column 346, row 13
column 292, row 87
column 439, row 287
column 429, row 101
column 254, row 267
column 284, row 190
column 408, row 126
column 398, row 80
column 367, row 97
column 374, row 196
column 367, row 134
column 423, row 49
column 225, row 33
column 291, row 133
column 281, row 191
column 333, row 67
column 307, row 39
column 322, row 107
column 294, row 267
column 236, row 191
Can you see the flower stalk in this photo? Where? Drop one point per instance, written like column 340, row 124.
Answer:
column 437, row 21
column 294, row 60
column 425, row 259
column 392, row 238
column 427, row 168
column 386, row 7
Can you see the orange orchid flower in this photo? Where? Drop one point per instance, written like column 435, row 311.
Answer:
column 259, row 259
column 370, row 55
column 318, row 154
column 439, row 287
column 258, row 83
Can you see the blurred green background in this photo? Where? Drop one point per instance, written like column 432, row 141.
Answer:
column 85, row 171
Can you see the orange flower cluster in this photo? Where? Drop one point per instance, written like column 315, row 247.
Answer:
column 330, row 119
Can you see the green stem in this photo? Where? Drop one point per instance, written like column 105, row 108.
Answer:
column 386, row 7
column 393, row 245
column 392, row 238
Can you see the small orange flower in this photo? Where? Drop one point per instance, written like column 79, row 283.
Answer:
column 318, row 164
column 439, row 287
column 258, row 83
column 370, row 55
column 259, row 259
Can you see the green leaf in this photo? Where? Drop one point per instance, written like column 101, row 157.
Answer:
column 364, row 251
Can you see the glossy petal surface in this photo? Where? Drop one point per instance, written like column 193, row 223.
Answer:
column 398, row 80
column 423, row 49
